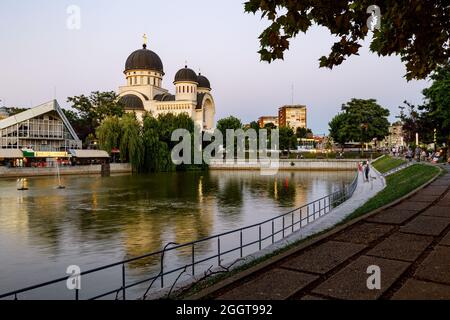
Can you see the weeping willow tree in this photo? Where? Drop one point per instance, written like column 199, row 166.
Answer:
column 109, row 133
column 146, row 146
column 157, row 155
column 125, row 134
column 131, row 147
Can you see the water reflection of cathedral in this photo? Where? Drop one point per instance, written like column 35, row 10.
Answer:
column 153, row 210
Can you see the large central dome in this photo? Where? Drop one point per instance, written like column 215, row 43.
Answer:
column 144, row 59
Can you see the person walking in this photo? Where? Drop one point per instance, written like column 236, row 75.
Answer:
column 409, row 155
column 418, row 154
column 367, row 171
column 360, row 170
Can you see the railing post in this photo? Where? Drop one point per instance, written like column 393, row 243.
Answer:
column 283, row 227
column 273, row 231
column 300, row 218
column 193, row 259
column 218, row 251
column 320, row 208
column 123, row 281
column 292, row 216
column 162, row 270
column 77, row 295
column 260, row 237
column 241, row 243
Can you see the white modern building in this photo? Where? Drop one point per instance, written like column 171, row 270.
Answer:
column 144, row 92
column 43, row 128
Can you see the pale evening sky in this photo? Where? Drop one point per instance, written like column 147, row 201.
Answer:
column 38, row 53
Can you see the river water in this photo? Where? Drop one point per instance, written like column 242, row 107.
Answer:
column 96, row 220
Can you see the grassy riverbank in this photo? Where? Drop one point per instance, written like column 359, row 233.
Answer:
column 397, row 185
column 387, row 163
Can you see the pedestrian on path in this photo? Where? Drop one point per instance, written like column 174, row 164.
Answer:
column 367, row 171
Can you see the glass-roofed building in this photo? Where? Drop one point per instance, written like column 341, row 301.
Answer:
column 44, row 128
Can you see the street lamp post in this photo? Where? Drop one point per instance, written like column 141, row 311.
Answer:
column 435, row 139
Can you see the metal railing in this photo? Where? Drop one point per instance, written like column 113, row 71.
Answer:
column 399, row 168
column 278, row 227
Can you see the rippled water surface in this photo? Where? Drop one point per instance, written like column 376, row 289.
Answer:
column 96, row 221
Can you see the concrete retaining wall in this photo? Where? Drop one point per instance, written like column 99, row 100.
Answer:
column 77, row 170
column 306, row 164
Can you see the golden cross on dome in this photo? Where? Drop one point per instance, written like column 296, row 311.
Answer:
column 145, row 39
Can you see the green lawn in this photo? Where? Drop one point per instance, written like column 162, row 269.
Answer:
column 398, row 185
column 387, row 163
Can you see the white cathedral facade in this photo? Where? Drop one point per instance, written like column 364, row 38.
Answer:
column 143, row 92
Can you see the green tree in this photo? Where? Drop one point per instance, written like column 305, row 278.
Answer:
column 416, row 30
column 413, row 121
column 109, row 133
column 131, row 146
column 91, row 110
column 12, row 111
column 270, row 126
column 303, row 133
column 366, row 120
column 338, row 129
column 288, row 140
column 437, row 104
column 255, row 126
column 228, row 123
column 156, row 154
column 147, row 145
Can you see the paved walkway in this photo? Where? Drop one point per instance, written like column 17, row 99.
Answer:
column 409, row 242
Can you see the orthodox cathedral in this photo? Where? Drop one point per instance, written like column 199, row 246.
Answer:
column 143, row 92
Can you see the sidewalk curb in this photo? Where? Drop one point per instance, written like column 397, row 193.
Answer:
column 205, row 293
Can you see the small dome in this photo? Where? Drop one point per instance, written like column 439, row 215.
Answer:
column 203, row 82
column 131, row 102
column 144, row 59
column 186, row 74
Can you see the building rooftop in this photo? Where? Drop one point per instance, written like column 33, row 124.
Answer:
column 35, row 112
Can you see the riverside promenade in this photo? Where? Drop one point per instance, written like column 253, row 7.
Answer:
column 409, row 242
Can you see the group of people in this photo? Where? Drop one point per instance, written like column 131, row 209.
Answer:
column 419, row 154
column 364, row 168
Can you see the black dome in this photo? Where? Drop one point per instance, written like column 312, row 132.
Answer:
column 186, row 74
column 144, row 59
column 131, row 102
column 203, row 82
